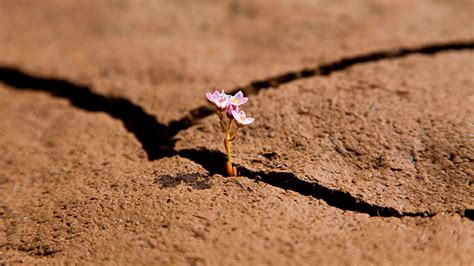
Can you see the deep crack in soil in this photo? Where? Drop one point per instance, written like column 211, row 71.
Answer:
column 158, row 139
column 212, row 161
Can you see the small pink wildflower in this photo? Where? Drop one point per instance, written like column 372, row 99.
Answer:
column 236, row 119
column 241, row 118
column 219, row 99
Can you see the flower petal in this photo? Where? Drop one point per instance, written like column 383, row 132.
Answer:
column 236, row 115
column 249, row 120
column 239, row 95
column 210, row 96
column 243, row 100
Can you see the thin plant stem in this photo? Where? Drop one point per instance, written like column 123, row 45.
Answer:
column 234, row 134
column 227, row 141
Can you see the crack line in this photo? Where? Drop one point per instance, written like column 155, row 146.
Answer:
column 156, row 138
column 255, row 87
column 212, row 161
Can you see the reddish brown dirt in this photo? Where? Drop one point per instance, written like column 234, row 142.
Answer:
column 368, row 160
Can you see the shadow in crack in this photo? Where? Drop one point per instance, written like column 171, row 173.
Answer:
column 196, row 181
column 469, row 213
column 154, row 137
column 214, row 162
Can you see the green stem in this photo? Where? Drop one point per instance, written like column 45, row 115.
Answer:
column 223, row 126
column 233, row 135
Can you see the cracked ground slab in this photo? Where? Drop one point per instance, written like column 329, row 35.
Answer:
column 392, row 133
column 80, row 201
column 44, row 228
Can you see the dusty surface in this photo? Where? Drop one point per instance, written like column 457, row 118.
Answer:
column 392, row 133
column 87, row 90
column 164, row 55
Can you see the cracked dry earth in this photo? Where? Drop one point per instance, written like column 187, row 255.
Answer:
column 361, row 153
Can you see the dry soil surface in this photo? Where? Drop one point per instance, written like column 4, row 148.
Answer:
column 362, row 151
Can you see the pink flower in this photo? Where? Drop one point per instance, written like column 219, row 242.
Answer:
column 241, row 118
column 238, row 99
column 219, row 99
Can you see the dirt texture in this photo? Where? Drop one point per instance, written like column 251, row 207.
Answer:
column 392, row 133
column 362, row 151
